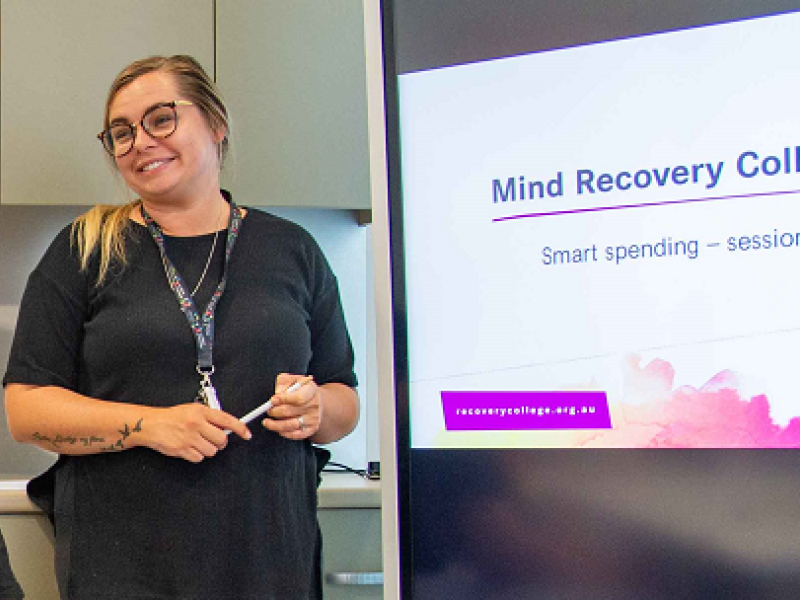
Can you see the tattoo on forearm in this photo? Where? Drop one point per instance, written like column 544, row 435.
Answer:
column 60, row 441
column 125, row 432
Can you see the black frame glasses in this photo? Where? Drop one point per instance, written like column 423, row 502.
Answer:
column 109, row 136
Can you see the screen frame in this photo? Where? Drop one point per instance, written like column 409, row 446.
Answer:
column 399, row 326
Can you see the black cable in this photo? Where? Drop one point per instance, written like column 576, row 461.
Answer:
column 340, row 468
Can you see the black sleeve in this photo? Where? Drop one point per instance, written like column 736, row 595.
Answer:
column 49, row 329
column 332, row 360
column 332, row 352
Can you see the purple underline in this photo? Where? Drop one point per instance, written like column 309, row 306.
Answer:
column 665, row 203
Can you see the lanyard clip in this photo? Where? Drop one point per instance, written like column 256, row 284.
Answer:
column 208, row 394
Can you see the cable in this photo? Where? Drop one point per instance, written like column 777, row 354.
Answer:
column 340, row 468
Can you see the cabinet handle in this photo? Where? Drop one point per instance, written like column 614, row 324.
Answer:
column 375, row 578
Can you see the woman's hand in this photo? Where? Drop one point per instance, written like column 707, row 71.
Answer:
column 190, row 431
column 296, row 412
column 60, row 420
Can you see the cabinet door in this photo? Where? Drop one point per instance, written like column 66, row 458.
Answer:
column 29, row 538
column 57, row 62
column 351, row 553
column 294, row 76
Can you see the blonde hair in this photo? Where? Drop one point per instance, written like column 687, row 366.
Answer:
column 104, row 228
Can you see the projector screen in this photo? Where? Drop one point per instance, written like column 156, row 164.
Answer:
column 596, row 241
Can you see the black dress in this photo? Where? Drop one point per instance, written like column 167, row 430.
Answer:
column 138, row 524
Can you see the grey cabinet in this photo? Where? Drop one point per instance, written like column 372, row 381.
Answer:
column 30, row 549
column 57, row 60
column 294, row 76
column 351, row 553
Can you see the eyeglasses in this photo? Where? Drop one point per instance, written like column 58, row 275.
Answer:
column 158, row 122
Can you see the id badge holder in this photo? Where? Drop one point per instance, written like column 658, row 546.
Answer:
column 208, row 394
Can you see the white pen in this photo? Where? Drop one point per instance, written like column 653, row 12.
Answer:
column 257, row 412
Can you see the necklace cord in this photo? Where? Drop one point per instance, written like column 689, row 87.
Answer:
column 208, row 262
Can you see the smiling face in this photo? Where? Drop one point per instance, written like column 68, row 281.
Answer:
column 180, row 168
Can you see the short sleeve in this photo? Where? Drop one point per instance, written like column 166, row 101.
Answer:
column 47, row 339
column 332, row 359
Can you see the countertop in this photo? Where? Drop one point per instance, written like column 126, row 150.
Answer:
column 338, row 490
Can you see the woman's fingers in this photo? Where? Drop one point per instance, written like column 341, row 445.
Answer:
column 297, row 418
column 195, row 432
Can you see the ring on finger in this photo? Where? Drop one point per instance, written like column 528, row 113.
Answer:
column 301, row 423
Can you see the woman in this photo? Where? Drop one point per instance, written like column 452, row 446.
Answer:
column 135, row 312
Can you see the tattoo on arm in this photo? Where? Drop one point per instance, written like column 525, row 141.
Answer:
column 56, row 441
column 60, row 441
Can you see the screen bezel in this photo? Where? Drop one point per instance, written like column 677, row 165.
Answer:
column 398, row 294
column 403, row 450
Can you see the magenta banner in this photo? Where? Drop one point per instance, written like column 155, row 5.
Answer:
column 503, row 411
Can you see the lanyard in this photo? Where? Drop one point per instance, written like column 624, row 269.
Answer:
column 202, row 325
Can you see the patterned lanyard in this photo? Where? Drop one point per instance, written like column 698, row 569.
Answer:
column 202, row 326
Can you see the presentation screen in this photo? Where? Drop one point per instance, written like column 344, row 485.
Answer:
column 602, row 243
column 596, row 247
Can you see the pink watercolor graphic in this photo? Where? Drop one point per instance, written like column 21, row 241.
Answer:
column 713, row 416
